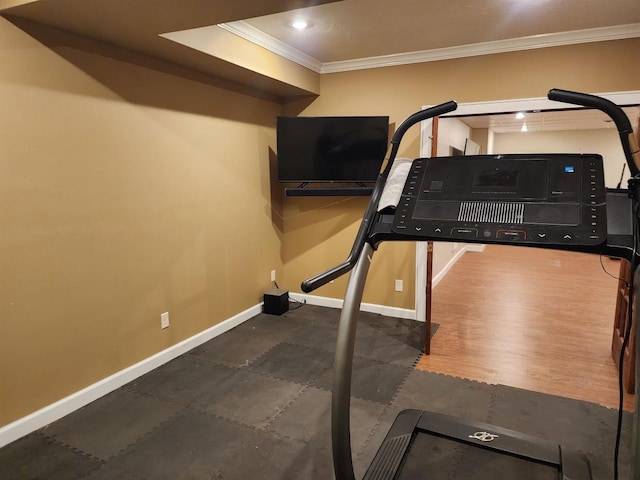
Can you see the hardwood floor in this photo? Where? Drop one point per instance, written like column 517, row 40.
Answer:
column 536, row 319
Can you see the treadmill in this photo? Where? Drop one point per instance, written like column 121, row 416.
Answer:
column 556, row 201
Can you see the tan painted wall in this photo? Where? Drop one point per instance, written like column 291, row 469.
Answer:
column 129, row 187
column 399, row 91
column 481, row 137
column 126, row 190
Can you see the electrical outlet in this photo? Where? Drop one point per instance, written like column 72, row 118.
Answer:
column 273, row 275
column 164, row 320
column 398, row 285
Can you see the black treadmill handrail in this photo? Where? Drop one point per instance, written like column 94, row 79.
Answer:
column 362, row 236
column 628, row 140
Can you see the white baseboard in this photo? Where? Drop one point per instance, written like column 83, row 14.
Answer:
column 475, row 247
column 440, row 275
column 470, row 247
column 383, row 309
column 65, row 406
column 365, row 307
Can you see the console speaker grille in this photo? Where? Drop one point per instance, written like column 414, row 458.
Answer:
column 491, row 212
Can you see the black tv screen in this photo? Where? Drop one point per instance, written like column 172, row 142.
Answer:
column 331, row 149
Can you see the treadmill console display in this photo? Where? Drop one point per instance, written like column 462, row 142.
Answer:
column 546, row 199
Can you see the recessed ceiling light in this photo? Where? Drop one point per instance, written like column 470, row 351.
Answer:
column 299, row 24
column 519, row 115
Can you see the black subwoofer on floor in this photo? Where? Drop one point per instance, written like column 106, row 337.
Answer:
column 276, row 301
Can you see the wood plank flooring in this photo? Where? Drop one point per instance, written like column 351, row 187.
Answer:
column 536, row 319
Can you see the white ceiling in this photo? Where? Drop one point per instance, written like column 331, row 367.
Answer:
column 344, row 34
column 350, row 30
column 368, row 33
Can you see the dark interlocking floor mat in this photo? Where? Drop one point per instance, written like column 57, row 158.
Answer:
column 255, row 403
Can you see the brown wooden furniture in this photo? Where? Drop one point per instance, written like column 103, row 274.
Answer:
column 620, row 329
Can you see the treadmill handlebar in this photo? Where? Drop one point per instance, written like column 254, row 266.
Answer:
column 410, row 121
column 362, row 236
column 323, row 278
column 627, row 138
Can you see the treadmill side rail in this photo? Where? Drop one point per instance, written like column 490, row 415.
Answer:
column 388, row 459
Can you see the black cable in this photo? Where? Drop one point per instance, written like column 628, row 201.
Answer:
column 291, row 300
column 629, row 286
column 625, row 344
column 299, row 304
column 604, row 269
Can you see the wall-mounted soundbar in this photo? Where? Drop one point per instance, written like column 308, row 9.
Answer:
column 328, row 192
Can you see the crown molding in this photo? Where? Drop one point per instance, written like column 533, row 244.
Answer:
column 253, row 34
column 488, row 48
column 257, row 36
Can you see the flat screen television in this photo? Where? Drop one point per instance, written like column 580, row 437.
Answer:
column 331, row 149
